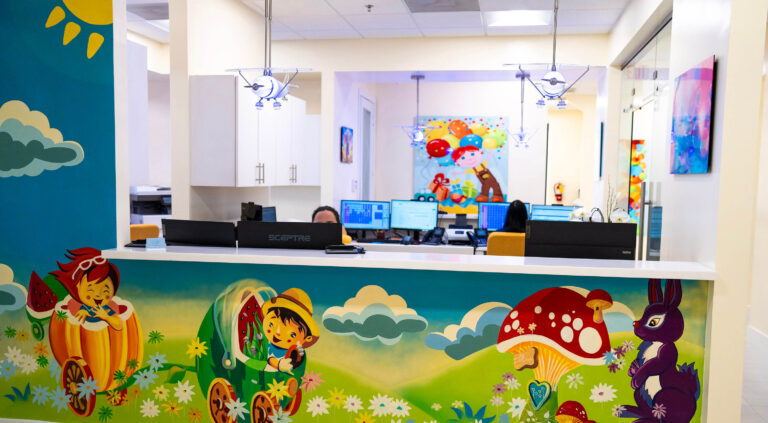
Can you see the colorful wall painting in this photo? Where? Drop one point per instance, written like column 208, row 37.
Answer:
column 691, row 119
column 347, row 146
column 463, row 162
column 267, row 343
column 636, row 177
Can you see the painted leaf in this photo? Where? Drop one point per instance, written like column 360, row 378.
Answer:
column 175, row 374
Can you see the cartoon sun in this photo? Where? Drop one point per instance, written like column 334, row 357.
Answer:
column 94, row 12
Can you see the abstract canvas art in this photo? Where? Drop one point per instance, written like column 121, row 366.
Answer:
column 691, row 119
column 346, row 144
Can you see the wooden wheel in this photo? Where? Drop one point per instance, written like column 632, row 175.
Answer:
column 262, row 408
column 75, row 371
column 219, row 393
column 294, row 405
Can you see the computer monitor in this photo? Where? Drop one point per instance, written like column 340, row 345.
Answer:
column 414, row 215
column 365, row 215
column 491, row 216
column 314, row 236
column 198, row 232
column 551, row 213
column 269, row 214
column 580, row 240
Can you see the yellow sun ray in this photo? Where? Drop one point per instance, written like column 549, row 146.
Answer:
column 94, row 43
column 70, row 32
column 56, row 16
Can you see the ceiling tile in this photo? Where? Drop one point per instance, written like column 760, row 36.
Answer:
column 329, row 34
column 495, row 5
column 315, row 23
column 400, row 21
column 453, row 32
column 289, row 8
column 588, row 17
column 390, row 33
column 354, row 7
column 448, row 20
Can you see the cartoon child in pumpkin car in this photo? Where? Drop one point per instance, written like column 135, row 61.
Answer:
column 258, row 341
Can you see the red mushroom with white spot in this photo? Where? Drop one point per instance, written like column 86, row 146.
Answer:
column 572, row 412
column 552, row 332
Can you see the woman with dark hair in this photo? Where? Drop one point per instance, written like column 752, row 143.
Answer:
column 517, row 215
column 327, row 214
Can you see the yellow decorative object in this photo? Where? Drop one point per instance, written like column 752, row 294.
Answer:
column 490, row 143
column 94, row 43
column 478, row 129
column 70, row 32
column 56, row 16
column 97, row 12
column 452, row 140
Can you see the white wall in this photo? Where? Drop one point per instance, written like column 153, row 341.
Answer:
column 158, row 54
column 564, row 154
column 159, row 128
column 138, row 132
column 758, row 315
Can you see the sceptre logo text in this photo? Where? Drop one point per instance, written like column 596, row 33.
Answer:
column 287, row 238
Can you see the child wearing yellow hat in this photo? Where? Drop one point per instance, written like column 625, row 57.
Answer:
column 290, row 328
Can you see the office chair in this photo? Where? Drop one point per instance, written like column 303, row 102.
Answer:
column 506, row 244
column 144, row 231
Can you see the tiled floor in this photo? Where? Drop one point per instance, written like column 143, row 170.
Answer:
column 754, row 402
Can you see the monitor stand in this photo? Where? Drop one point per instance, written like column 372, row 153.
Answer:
column 461, row 219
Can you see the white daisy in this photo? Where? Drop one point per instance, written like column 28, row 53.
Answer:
column 457, row 404
column 436, row 407
column 574, row 380
column 618, row 410
column 602, row 393
column 352, row 404
column 400, row 408
column 13, row 355
column 160, row 392
column 381, row 405
column 28, row 364
column 497, row 401
column 317, row 406
column 236, row 409
column 628, row 345
column 183, row 392
column 149, row 408
column 156, row 361
column 40, row 395
column 620, row 363
column 512, row 384
column 516, row 407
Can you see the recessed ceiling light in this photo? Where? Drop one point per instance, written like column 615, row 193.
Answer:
column 518, row 18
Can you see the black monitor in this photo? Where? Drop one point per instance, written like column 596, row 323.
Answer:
column 415, row 215
column 269, row 214
column 199, row 232
column 544, row 238
column 492, row 216
column 314, row 236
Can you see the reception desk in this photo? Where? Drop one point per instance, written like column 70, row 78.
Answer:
column 399, row 336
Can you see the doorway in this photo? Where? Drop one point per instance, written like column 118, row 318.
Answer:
column 367, row 125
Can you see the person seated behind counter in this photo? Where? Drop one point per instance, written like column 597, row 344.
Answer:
column 327, row 214
column 517, row 215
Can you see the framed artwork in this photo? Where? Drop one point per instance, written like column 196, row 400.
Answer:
column 346, row 145
column 692, row 119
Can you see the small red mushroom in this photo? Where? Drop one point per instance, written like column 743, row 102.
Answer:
column 572, row 412
column 599, row 300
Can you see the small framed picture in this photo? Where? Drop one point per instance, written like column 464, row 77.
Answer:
column 346, row 145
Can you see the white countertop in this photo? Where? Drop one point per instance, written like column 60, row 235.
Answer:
column 420, row 248
column 423, row 261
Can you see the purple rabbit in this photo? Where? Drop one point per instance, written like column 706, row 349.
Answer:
column 664, row 391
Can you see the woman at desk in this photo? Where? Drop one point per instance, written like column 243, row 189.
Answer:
column 327, row 214
column 517, row 215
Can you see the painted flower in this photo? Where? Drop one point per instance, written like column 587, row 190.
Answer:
column 172, row 408
column 364, row 418
column 310, row 381
column 195, row 415
column 436, row 406
column 41, row 349
column 497, row 401
column 132, row 364
column 613, row 367
column 156, row 361
column 618, row 410
column 237, row 409
column 619, row 351
column 504, row 418
column 13, row 355
column 317, row 406
column 508, row 376
column 149, row 409
column 60, row 398
column 119, row 376
column 352, row 404
column 7, row 368
column 516, row 407
column 196, row 348
column 574, row 380
column 115, row 397
column 512, row 384
column 457, row 404
column 105, row 413
column 277, row 390
column 87, row 388
column 156, row 337
column 22, row 335
column 532, row 327
column 400, row 408
column 280, row 416
column 621, row 363
column 609, row 357
column 659, row 411
column 40, row 395
column 520, row 331
column 183, row 392
column 61, row 315
column 134, row 392
column 10, row 332
column 602, row 393
column 54, row 369
column 145, row 378
column 628, row 345
column 161, row 392
column 336, row 397
column 380, row 404
column 42, row 361
column 28, row 364
column 499, row 389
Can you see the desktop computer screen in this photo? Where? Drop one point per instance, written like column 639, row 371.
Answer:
column 415, row 215
column 365, row 215
column 269, row 214
column 551, row 213
column 491, row 216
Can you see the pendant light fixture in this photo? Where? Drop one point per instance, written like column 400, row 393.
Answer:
column 416, row 131
column 523, row 136
column 267, row 87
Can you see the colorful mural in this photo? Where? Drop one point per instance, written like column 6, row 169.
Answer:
column 266, row 343
column 463, row 162
column 691, row 119
column 637, row 175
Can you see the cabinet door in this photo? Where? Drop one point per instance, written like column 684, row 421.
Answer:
column 212, row 135
column 249, row 172
column 285, row 127
column 266, row 145
column 308, row 147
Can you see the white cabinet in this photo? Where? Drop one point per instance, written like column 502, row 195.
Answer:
column 234, row 144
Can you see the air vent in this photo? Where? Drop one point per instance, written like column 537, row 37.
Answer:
column 429, row 6
column 150, row 11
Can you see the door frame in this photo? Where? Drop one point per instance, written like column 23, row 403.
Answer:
column 368, row 102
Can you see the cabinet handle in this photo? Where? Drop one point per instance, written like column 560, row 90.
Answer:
column 256, row 168
column 263, row 173
column 295, row 174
